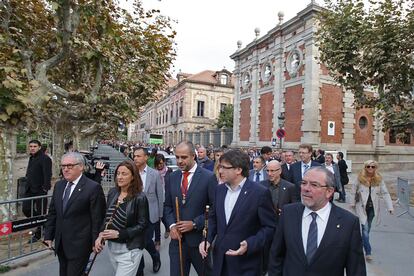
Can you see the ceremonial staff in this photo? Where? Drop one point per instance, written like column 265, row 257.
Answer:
column 205, row 234
column 180, row 245
column 87, row 271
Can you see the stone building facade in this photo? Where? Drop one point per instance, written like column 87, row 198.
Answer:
column 280, row 84
column 188, row 109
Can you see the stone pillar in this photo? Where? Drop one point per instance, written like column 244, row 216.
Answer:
column 236, row 105
column 379, row 135
column 254, row 110
column 348, row 138
column 222, row 136
column 311, row 122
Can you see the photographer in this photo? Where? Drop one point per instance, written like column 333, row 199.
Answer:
column 98, row 174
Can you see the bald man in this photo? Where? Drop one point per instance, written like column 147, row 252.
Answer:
column 282, row 191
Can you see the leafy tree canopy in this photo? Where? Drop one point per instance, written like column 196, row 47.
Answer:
column 225, row 118
column 372, row 48
column 86, row 60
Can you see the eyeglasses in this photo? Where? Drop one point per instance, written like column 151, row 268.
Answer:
column 273, row 170
column 370, row 167
column 224, row 167
column 69, row 166
column 313, row 184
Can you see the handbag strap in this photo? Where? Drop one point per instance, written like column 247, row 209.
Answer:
column 111, row 218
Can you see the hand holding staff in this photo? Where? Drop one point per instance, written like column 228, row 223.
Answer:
column 205, row 234
column 180, row 245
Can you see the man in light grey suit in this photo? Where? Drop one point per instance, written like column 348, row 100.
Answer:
column 259, row 172
column 155, row 194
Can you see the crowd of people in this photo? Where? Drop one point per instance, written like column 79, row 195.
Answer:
column 268, row 212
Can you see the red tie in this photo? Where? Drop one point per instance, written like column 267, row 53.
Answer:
column 184, row 184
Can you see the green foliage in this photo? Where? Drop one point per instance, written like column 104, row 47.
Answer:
column 225, row 118
column 372, row 49
column 4, row 268
column 102, row 62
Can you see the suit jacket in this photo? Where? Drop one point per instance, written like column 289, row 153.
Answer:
column 287, row 193
column 78, row 227
column 200, row 194
column 339, row 249
column 285, row 171
column 295, row 175
column 252, row 174
column 252, row 219
column 155, row 194
column 337, row 176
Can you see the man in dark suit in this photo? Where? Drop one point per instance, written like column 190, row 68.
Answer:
column 194, row 187
column 289, row 160
column 259, row 172
column 242, row 219
column 282, row 192
column 298, row 169
column 316, row 237
column 76, row 213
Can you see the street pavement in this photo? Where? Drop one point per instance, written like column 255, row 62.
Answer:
column 48, row 264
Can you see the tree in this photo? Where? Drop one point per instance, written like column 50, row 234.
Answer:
column 79, row 67
column 372, row 47
column 225, row 118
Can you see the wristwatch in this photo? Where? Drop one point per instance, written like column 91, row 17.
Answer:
column 194, row 226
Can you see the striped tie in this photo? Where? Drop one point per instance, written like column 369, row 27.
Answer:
column 305, row 168
column 312, row 243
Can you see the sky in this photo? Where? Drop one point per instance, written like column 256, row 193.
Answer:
column 208, row 30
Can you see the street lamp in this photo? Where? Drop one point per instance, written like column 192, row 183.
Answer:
column 281, row 121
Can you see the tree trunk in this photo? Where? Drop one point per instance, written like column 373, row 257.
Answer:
column 59, row 146
column 7, row 155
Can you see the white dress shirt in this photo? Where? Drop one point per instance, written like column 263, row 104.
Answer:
column 231, row 198
column 321, row 221
column 143, row 175
column 75, row 182
column 190, row 176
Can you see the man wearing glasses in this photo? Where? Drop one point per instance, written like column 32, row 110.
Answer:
column 315, row 237
column 76, row 213
column 242, row 219
column 298, row 169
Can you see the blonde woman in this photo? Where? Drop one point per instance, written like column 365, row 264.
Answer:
column 365, row 195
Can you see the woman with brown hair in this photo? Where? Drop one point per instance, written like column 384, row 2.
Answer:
column 126, row 220
column 365, row 196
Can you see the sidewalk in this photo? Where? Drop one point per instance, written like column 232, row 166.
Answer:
column 392, row 240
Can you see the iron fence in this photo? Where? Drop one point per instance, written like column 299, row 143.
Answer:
column 16, row 228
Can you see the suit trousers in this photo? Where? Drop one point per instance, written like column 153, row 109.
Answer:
column 149, row 245
column 71, row 267
column 124, row 261
column 191, row 255
column 36, row 207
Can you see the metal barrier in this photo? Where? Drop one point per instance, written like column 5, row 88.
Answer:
column 14, row 230
column 404, row 196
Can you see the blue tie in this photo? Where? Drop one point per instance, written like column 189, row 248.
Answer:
column 312, row 243
column 306, row 167
column 66, row 195
column 257, row 177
